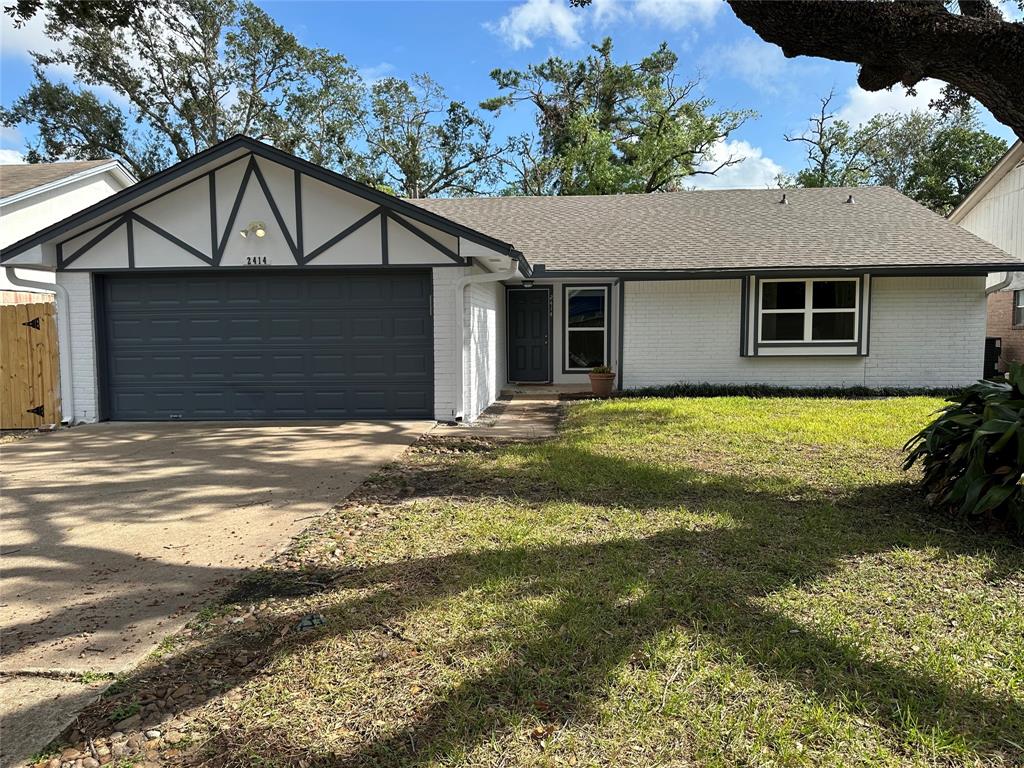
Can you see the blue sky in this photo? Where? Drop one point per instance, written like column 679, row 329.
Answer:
column 458, row 42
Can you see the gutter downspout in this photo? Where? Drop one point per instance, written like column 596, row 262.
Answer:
column 460, row 325
column 1001, row 284
column 67, row 391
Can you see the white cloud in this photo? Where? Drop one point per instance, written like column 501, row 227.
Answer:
column 755, row 172
column 862, row 105
column 535, row 19
column 376, row 72
column 757, row 63
column 676, row 14
column 20, row 41
column 8, row 156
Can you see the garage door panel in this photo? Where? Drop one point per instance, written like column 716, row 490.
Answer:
column 270, row 345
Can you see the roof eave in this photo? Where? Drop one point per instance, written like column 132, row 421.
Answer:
column 735, row 272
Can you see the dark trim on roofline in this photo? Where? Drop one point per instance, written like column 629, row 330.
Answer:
column 272, row 154
column 952, row 270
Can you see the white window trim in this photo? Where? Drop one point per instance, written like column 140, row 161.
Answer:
column 605, row 329
column 808, row 311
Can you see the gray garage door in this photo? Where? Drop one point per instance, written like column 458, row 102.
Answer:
column 283, row 345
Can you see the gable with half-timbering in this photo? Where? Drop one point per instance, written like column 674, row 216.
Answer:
column 253, row 211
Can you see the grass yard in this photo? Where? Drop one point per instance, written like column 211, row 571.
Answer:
column 705, row 582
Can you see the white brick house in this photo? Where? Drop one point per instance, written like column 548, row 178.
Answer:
column 246, row 283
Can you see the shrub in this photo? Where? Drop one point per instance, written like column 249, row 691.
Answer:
column 972, row 455
column 601, row 369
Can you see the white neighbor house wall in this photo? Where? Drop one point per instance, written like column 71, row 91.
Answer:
column 999, row 216
column 924, row 332
column 27, row 215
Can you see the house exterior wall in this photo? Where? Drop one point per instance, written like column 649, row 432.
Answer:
column 22, row 217
column 82, row 366
column 1000, row 324
column 444, row 341
column 924, row 332
column 484, row 364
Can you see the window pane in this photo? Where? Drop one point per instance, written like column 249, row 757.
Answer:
column 837, row 294
column 832, row 326
column 783, row 295
column 586, row 308
column 1018, row 316
column 586, row 349
column 785, row 326
column 1018, row 298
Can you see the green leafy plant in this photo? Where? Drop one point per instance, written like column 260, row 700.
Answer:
column 972, row 455
column 601, row 369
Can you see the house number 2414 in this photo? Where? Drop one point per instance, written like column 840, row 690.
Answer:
column 255, row 261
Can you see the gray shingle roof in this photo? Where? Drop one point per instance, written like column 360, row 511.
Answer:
column 15, row 178
column 723, row 230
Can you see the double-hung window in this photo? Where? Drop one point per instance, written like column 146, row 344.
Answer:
column 1018, row 309
column 586, row 327
column 815, row 310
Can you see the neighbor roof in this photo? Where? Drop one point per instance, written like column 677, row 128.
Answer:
column 716, row 230
column 16, row 178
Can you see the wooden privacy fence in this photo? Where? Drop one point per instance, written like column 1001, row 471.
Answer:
column 29, row 368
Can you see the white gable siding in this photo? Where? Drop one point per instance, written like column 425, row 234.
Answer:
column 999, row 216
column 925, row 332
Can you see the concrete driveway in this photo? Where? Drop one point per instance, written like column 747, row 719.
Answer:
column 112, row 534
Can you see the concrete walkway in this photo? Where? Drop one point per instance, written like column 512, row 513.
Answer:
column 520, row 415
column 112, row 534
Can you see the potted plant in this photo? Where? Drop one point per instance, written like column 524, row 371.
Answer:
column 602, row 380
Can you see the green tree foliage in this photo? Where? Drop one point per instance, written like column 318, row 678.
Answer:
column 972, row 455
column 422, row 144
column 604, row 128
column 932, row 157
column 107, row 13
column 185, row 75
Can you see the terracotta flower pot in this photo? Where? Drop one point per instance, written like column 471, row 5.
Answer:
column 602, row 383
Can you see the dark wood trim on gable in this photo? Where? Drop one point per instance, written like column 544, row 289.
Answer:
column 234, row 213
column 94, row 240
column 427, row 239
column 343, row 234
column 273, row 208
column 192, row 250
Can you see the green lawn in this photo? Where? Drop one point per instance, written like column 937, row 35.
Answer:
column 709, row 582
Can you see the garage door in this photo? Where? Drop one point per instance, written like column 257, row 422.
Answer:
column 283, row 345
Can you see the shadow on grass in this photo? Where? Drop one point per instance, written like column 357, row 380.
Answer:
column 706, row 580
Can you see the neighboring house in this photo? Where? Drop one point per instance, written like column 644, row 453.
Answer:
column 34, row 195
column 247, row 283
column 994, row 211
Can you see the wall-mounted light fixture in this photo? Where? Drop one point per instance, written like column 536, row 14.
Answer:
column 527, row 283
column 257, row 228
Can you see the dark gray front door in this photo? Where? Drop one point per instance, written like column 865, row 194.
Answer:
column 529, row 334
column 271, row 345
